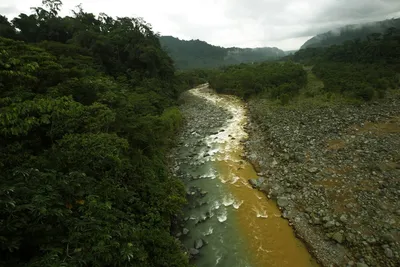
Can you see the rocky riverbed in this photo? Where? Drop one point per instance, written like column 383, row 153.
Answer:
column 335, row 174
column 226, row 222
column 205, row 227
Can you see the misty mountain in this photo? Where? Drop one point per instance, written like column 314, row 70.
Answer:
column 199, row 54
column 290, row 52
column 350, row 32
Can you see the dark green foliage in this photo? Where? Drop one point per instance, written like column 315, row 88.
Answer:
column 196, row 54
column 6, row 28
column 358, row 69
column 191, row 78
column 271, row 80
column 86, row 117
column 362, row 81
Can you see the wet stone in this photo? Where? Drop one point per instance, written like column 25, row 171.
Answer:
column 193, row 251
column 198, row 244
column 257, row 182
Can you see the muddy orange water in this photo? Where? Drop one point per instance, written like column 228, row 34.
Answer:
column 267, row 235
column 245, row 229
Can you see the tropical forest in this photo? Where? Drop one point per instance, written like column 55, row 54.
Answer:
column 120, row 146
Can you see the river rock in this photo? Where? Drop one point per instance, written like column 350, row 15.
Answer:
column 203, row 193
column 388, row 253
column 277, row 190
column 338, row 237
column 343, row 218
column 329, row 224
column 193, row 251
column 198, row 244
column 388, row 237
column 274, row 163
column 282, row 202
column 257, row 182
column 361, row 264
column 312, row 170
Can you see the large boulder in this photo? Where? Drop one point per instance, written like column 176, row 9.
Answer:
column 256, row 182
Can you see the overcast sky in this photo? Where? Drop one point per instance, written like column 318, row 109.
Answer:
column 286, row 24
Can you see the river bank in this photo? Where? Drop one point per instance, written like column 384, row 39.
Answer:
column 334, row 172
column 226, row 222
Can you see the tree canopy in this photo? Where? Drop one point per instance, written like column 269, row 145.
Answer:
column 357, row 70
column 87, row 113
column 360, row 69
column 271, row 80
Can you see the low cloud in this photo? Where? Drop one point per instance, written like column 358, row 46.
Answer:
column 243, row 23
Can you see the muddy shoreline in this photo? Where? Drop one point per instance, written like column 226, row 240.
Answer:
column 311, row 240
column 334, row 174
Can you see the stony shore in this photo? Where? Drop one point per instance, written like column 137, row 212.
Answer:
column 335, row 174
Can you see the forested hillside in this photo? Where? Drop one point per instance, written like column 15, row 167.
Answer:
column 360, row 69
column 199, row 54
column 86, row 116
column 350, row 32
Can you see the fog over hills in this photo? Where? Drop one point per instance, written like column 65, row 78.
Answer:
column 350, row 32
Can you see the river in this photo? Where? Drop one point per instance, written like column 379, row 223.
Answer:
column 239, row 226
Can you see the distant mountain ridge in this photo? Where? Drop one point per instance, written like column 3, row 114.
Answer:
column 199, row 54
column 350, row 32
